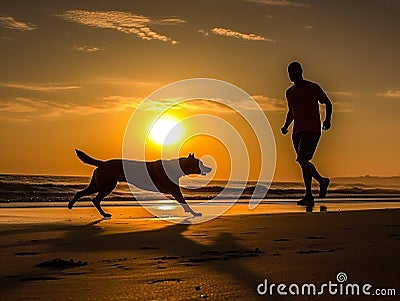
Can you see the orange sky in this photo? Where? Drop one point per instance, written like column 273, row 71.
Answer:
column 72, row 75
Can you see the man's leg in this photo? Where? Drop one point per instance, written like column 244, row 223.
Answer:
column 306, row 144
column 323, row 182
column 308, row 199
column 307, row 170
column 315, row 173
column 298, row 143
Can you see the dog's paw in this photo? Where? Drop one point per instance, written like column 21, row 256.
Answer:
column 107, row 215
column 70, row 205
column 197, row 213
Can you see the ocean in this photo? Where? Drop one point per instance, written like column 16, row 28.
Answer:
column 37, row 190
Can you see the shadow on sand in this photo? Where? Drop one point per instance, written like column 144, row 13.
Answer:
column 224, row 256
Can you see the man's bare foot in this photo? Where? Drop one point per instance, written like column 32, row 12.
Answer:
column 323, row 187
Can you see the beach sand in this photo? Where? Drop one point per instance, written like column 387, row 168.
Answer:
column 128, row 258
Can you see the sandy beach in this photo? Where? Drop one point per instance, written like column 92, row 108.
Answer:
column 53, row 253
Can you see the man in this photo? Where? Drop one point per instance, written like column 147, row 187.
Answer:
column 303, row 109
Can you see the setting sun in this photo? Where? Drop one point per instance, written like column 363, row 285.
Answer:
column 166, row 130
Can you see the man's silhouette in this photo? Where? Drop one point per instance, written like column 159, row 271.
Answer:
column 303, row 109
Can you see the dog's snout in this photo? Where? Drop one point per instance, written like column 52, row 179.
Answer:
column 205, row 169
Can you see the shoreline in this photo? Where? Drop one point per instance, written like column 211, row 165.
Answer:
column 168, row 208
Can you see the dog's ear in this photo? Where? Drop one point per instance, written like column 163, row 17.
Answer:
column 191, row 155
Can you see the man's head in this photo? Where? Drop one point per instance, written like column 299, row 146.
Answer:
column 295, row 72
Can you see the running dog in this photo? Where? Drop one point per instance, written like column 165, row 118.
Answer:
column 160, row 176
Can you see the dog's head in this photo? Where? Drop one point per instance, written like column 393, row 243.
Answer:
column 191, row 165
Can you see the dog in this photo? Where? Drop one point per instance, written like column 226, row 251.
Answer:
column 160, row 176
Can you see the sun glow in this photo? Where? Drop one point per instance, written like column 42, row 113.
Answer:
column 166, row 130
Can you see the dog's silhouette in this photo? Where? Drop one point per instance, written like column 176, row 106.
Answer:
column 161, row 176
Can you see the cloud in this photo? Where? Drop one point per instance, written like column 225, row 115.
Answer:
column 340, row 93
column 87, row 49
column 342, row 106
column 125, row 22
column 125, row 82
column 19, row 106
column 26, row 109
column 231, row 33
column 23, row 109
column 11, row 23
column 271, row 104
column 182, row 104
column 393, row 93
column 267, row 104
column 38, row 87
column 35, row 108
column 6, row 38
column 169, row 21
column 117, row 103
column 202, row 31
column 278, row 3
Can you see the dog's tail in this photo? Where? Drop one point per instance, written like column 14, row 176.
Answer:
column 87, row 159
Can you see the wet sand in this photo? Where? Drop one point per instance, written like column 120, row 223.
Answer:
column 134, row 257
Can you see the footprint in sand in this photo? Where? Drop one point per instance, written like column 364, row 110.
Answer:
column 40, row 278
column 313, row 251
column 26, row 253
column 283, row 239
column 315, row 237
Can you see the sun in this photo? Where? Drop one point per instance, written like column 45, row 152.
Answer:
column 166, row 130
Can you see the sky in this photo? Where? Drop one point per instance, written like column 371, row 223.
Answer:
column 73, row 73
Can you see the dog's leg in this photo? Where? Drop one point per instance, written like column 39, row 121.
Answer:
column 104, row 192
column 181, row 200
column 87, row 191
column 90, row 189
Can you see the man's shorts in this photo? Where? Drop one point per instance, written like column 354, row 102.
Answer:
column 305, row 144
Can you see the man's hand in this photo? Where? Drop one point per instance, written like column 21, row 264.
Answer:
column 326, row 125
column 284, row 130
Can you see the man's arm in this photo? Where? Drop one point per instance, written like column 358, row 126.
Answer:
column 328, row 110
column 289, row 119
